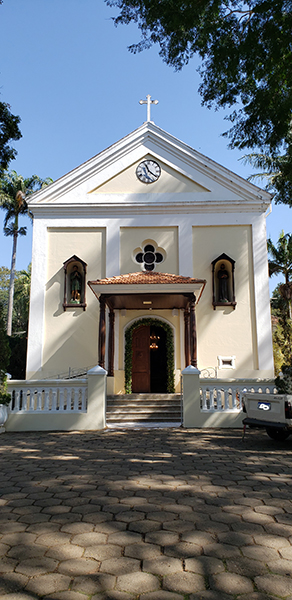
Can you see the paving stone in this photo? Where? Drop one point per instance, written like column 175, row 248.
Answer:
column 144, row 526
column 269, row 510
column 96, row 517
column 138, row 583
column 40, row 528
column 183, row 550
column 198, row 537
column 36, row 566
column 231, row 583
column 235, row 538
column 53, row 539
column 124, row 538
column 221, row 550
column 204, row 565
column 48, row 584
column 92, row 584
column 281, row 567
column 246, row 567
column 103, row 551
column 4, row 548
column 210, row 595
column 11, row 527
column 115, row 595
column 162, row 565
column 75, row 528
column 7, row 565
column 65, row 596
column 89, row 539
column 78, row 566
column 108, row 528
column 162, row 595
column 119, row 566
column 271, row 541
column 12, row 539
column 23, row 551
column 179, row 526
column 184, row 582
column 143, row 551
column 162, row 538
column 278, row 529
column 12, row 582
column 214, row 528
column 65, row 552
column 257, row 596
column 286, row 552
column 261, row 553
column 274, row 584
column 18, row 596
column 250, row 528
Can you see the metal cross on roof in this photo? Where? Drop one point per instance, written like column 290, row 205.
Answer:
column 148, row 101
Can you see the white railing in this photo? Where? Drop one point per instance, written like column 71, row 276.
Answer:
column 48, row 396
column 226, row 394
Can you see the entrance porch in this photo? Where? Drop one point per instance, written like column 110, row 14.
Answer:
column 147, row 355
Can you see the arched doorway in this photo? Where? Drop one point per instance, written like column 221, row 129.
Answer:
column 149, row 357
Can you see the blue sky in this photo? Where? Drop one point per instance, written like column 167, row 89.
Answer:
column 69, row 76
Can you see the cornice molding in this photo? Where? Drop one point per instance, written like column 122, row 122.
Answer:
column 91, row 210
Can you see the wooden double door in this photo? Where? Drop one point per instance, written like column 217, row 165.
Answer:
column 149, row 363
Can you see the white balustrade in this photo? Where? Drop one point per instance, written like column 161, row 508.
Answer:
column 48, row 396
column 226, row 394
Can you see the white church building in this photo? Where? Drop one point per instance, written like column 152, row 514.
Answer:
column 148, row 258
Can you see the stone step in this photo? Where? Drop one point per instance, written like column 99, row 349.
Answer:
column 143, row 408
column 141, row 397
column 149, row 404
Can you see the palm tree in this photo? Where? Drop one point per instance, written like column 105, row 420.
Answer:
column 14, row 190
column 276, row 171
column 281, row 264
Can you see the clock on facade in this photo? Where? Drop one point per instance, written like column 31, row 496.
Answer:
column 148, row 171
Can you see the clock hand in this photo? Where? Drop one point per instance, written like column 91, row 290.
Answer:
column 150, row 173
column 145, row 173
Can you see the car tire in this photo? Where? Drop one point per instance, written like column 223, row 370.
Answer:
column 277, row 433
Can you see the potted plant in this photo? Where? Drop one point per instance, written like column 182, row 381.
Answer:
column 5, row 399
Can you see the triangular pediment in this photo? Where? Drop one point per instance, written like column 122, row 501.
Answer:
column 170, row 181
column 188, row 181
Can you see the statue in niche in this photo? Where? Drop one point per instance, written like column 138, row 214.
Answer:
column 223, row 284
column 75, row 286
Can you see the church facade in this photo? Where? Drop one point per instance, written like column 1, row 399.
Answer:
column 147, row 258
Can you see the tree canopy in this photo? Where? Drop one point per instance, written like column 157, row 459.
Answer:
column 9, row 131
column 246, row 52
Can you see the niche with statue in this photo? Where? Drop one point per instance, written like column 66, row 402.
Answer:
column 74, row 283
column 223, row 281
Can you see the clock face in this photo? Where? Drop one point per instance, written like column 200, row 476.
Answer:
column 148, row 171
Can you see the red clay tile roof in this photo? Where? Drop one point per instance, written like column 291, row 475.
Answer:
column 146, row 277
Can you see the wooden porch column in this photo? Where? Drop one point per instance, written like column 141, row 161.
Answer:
column 101, row 337
column 193, row 332
column 111, row 342
column 187, row 337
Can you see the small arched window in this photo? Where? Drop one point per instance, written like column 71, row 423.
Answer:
column 223, row 281
column 74, row 283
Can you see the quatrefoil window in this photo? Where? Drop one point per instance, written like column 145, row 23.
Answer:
column 149, row 255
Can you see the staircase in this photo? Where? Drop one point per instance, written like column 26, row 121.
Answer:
column 143, row 409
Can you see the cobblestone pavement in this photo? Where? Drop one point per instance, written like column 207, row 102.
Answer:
column 167, row 514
